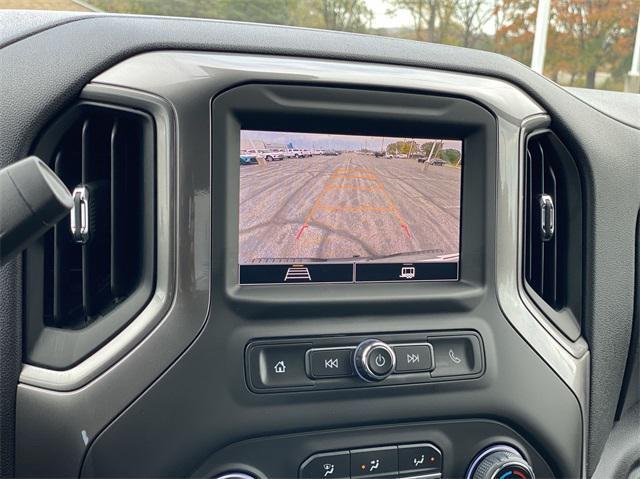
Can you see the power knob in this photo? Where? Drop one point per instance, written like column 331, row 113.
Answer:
column 374, row 360
column 500, row 462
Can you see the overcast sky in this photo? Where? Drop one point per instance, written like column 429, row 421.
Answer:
column 402, row 18
column 382, row 20
column 253, row 139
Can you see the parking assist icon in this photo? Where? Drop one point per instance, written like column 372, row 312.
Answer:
column 297, row 272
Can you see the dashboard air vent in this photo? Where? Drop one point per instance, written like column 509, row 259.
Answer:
column 543, row 243
column 552, row 230
column 95, row 270
column 95, row 258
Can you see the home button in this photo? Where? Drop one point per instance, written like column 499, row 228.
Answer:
column 278, row 366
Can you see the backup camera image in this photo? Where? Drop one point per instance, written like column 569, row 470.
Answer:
column 342, row 208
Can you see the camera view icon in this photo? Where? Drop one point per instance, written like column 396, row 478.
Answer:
column 407, row 272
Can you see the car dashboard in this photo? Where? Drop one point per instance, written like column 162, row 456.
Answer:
column 162, row 347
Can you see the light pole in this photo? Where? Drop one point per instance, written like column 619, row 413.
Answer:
column 540, row 38
column 632, row 83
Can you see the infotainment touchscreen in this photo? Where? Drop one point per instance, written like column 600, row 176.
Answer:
column 327, row 208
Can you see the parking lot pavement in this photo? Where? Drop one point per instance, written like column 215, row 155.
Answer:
column 346, row 206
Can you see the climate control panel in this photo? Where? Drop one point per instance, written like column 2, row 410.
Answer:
column 394, row 461
column 274, row 365
column 457, row 448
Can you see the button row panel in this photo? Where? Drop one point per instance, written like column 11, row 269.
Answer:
column 404, row 461
column 337, row 362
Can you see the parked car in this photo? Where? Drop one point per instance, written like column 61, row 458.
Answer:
column 297, row 153
column 273, row 155
column 248, row 160
column 252, row 152
column 265, row 154
column 436, row 162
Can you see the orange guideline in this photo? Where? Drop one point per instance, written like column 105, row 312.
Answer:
column 354, row 173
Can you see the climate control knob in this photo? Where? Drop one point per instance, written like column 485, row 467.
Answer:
column 500, row 462
column 374, row 360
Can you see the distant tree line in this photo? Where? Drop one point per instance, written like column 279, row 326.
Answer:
column 344, row 15
column 585, row 36
column 428, row 149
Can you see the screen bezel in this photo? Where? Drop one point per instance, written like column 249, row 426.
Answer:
column 327, row 109
column 377, row 264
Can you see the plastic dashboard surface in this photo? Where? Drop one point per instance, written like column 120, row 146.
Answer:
column 209, row 377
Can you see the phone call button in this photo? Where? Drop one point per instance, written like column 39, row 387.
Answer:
column 456, row 355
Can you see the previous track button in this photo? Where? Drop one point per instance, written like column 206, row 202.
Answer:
column 329, row 363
